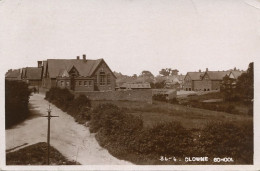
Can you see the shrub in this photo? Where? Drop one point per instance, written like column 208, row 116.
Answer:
column 225, row 139
column 116, row 128
column 78, row 107
column 16, row 102
column 216, row 106
column 169, row 138
column 160, row 97
column 163, row 98
column 251, row 111
column 62, row 98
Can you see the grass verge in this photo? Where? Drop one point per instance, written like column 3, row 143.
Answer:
column 36, row 155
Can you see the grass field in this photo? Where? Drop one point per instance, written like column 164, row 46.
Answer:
column 235, row 107
column 36, row 155
column 191, row 118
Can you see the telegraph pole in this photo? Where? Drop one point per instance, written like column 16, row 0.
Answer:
column 49, row 116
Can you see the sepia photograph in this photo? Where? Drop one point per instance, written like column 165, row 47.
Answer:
column 129, row 84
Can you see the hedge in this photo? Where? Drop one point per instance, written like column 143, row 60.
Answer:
column 79, row 107
column 226, row 139
column 124, row 135
column 16, row 102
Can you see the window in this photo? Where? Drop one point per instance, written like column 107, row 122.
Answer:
column 85, row 83
column 67, row 83
column 61, row 83
column 80, row 83
column 95, row 79
column 108, row 79
column 102, row 78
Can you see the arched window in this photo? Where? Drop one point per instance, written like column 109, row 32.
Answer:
column 102, row 78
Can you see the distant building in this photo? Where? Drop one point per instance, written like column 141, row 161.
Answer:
column 211, row 80
column 78, row 74
column 135, row 86
column 32, row 75
column 192, row 80
column 208, row 80
column 174, row 81
column 15, row 74
column 235, row 74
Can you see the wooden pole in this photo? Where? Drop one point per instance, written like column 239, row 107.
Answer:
column 49, row 116
column 48, row 135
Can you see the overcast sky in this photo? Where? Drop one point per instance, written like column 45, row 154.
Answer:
column 132, row 35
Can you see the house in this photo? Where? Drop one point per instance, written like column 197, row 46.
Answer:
column 211, row 80
column 78, row 74
column 174, row 81
column 192, row 80
column 15, row 74
column 204, row 81
column 32, row 76
column 235, row 74
column 135, row 86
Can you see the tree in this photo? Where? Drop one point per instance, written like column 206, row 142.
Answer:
column 134, row 76
column 147, row 74
column 158, row 85
column 165, row 72
column 174, row 72
column 227, row 88
column 245, row 83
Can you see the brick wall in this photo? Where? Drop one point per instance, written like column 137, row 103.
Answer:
column 202, row 84
column 104, row 68
column 129, row 95
column 216, row 85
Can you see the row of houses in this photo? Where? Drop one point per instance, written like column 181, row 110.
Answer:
column 208, row 80
column 95, row 75
column 31, row 75
column 74, row 74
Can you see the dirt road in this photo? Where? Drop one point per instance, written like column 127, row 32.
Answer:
column 72, row 139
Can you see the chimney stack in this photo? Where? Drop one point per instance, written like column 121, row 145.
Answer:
column 207, row 69
column 199, row 70
column 77, row 57
column 84, row 57
column 39, row 64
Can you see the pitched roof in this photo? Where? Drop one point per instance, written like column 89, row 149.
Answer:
column 181, row 77
column 16, row 73
column 217, row 75
column 172, row 78
column 33, row 73
column 85, row 68
column 195, row 75
column 63, row 73
column 237, row 73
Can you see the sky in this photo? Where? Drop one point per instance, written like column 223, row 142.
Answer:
column 132, row 35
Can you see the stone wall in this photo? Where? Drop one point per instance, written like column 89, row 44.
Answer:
column 128, row 95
